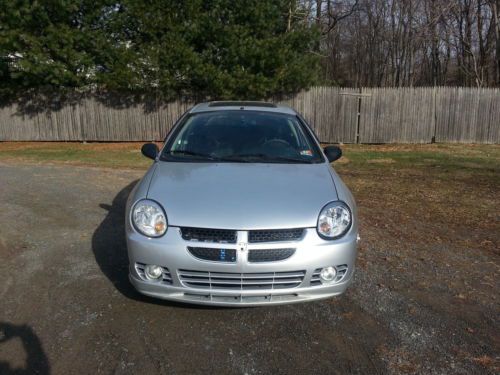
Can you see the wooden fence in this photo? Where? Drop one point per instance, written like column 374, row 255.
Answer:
column 427, row 114
column 348, row 115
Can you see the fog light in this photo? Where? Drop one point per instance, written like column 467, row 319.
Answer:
column 153, row 272
column 328, row 274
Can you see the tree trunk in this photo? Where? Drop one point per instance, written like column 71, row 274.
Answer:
column 495, row 8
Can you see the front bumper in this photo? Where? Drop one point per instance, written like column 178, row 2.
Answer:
column 170, row 252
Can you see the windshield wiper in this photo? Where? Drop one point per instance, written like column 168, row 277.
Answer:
column 270, row 158
column 201, row 155
column 187, row 152
column 240, row 158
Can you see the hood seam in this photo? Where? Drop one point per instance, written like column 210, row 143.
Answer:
column 151, row 179
column 333, row 181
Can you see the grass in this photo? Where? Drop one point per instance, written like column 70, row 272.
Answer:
column 108, row 155
column 483, row 159
column 476, row 159
column 453, row 190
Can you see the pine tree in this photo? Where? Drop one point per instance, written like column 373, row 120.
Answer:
column 214, row 48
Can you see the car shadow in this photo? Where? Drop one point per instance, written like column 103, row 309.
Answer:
column 36, row 359
column 110, row 251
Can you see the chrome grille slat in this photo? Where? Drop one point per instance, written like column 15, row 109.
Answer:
column 229, row 276
column 242, row 281
column 257, row 275
column 287, row 280
column 277, row 276
column 193, row 273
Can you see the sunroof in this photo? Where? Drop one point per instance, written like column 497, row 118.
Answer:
column 242, row 104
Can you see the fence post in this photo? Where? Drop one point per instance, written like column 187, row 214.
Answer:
column 81, row 112
column 434, row 115
column 358, row 117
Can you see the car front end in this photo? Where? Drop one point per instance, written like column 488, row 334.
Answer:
column 242, row 272
column 221, row 232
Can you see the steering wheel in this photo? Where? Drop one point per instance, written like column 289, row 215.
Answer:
column 207, row 143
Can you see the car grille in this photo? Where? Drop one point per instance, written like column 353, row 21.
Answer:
column 209, row 235
column 241, row 281
column 215, row 255
column 275, row 235
column 269, row 255
column 166, row 279
column 341, row 272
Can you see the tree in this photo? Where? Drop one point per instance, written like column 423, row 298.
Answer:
column 409, row 42
column 48, row 44
column 214, row 48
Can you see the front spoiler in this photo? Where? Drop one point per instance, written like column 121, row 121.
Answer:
column 170, row 251
column 240, row 298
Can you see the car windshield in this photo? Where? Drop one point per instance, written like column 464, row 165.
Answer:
column 242, row 136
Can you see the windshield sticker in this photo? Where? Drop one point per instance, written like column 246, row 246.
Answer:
column 306, row 153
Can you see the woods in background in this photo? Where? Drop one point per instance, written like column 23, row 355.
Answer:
column 253, row 49
column 408, row 42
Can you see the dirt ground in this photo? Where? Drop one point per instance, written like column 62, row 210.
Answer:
column 425, row 297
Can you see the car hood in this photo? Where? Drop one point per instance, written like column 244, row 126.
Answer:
column 242, row 196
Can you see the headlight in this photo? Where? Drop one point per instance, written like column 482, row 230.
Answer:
column 149, row 218
column 334, row 220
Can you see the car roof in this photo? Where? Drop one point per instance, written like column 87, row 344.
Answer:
column 242, row 105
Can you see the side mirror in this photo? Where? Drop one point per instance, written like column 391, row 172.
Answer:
column 332, row 153
column 150, row 150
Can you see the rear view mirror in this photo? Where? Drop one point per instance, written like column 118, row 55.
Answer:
column 150, row 150
column 332, row 153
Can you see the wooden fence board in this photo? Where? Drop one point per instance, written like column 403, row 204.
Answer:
column 403, row 115
column 467, row 115
column 331, row 113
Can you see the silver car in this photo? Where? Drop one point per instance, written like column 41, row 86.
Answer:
column 241, row 208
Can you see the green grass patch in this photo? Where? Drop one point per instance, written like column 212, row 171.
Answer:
column 445, row 159
column 92, row 154
column 442, row 158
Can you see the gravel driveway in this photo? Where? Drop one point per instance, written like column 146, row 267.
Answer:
column 66, row 305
